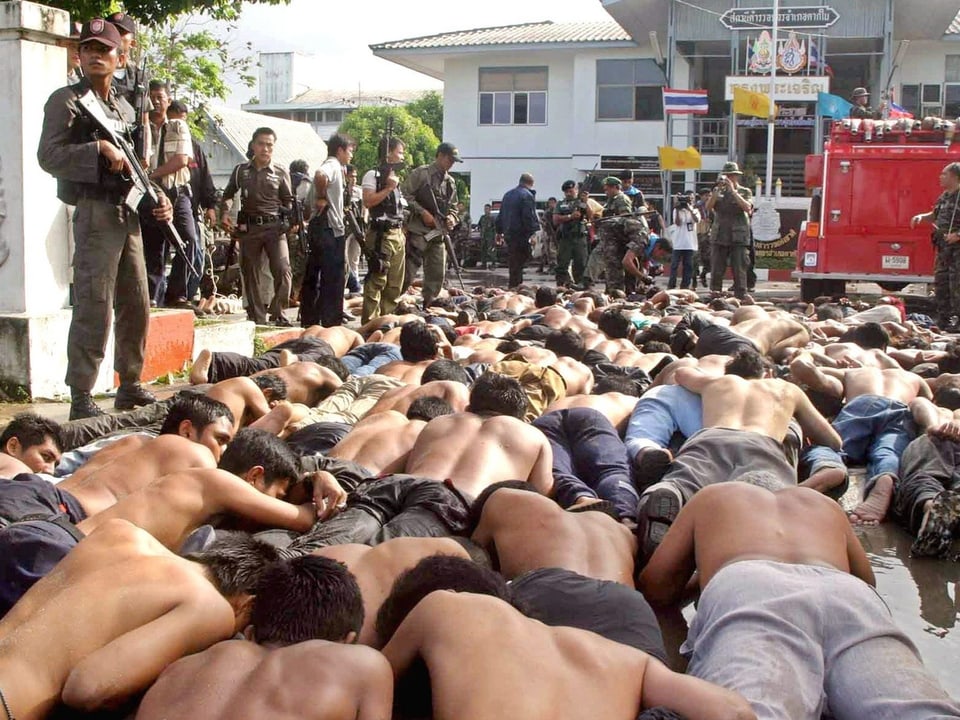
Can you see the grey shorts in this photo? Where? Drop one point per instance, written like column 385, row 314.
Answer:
column 797, row 640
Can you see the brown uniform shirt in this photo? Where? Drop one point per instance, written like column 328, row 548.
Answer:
column 263, row 191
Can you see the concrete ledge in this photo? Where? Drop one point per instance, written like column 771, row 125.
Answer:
column 226, row 337
column 275, row 337
column 20, row 15
column 169, row 344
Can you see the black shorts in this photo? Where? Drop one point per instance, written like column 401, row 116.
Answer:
column 721, row 340
column 29, row 550
column 30, row 495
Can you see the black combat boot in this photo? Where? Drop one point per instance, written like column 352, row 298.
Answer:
column 83, row 406
column 133, row 395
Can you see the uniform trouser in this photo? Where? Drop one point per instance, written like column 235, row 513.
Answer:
column 595, row 264
column 109, row 276
column 518, row 253
column 946, row 281
column 298, row 259
column 801, row 640
column 77, row 433
column 736, row 256
column 571, row 250
column 589, row 459
column 381, row 290
column 253, row 243
column 547, row 250
column 321, row 298
column 487, row 252
column 391, row 507
column 703, row 253
column 613, row 271
column 199, row 261
column 181, row 278
column 928, row 466
column 432, row 257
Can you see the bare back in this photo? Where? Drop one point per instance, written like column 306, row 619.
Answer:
column 475, row 452
column 380, row 442
column 239, row 680
column 529, row 532
column 615, row 406
column 401, row 398
column 892, row 383
column 307, row 382
column 761, row 406
column 341, row 339
column 408, row 372
column 244, row 398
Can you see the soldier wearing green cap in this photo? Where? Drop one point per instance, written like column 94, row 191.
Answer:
column 616, row 234
column 732, row 204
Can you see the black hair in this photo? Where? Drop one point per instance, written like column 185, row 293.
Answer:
column 614, row 324
column 334, row 365
column 950, row 363
column 262, row 131
column 444, row 369
column 339, row 141
column 476, row 510
column 566, row 343
column 236, row 561
column 545, row 296
column 177, row 107
column 663, row 243
column 597, row 298
column 869, row 336
column 251, row 447
column 616, row 383
column 437, row 572
column 158, row 85
column 417, row 343
column 509, row 345
column 748, row 364
column 31, row 429
column 428, row 407
column 306, row 598
column 349, row 168
column 721, row 304
column 947, row 397
column 657, row 332
column 200, row 410
column 299, row 166
column 273, row 382
column 498, row 395
column 829, row 311
column 393, row 143
column 655, row 346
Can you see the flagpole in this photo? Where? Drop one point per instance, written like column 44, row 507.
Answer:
column 771, row 120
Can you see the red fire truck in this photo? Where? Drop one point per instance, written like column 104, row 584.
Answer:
column 872, row 178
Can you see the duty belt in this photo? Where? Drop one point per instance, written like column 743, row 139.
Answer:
column 386, row 223
column 95, row 192
column 258, row 219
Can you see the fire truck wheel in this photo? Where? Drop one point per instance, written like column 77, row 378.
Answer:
column 893, row 286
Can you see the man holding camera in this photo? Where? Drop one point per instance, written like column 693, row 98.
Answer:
column 570, row 220
column 383, row 245
column 685, row 219
column 731, row 204
column 946, row 238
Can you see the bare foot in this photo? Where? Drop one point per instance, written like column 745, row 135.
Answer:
column 287, row 358
column 825, row 480
column 585, row 500
column 874, row 508
column 201, row 368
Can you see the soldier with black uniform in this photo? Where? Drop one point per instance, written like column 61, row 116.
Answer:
column 731, row 204
column 383, row 245
column 265, row 192
column 108, row 265
column 424, row 186
column 570, row 220
column 945, row 217
column 613, row 243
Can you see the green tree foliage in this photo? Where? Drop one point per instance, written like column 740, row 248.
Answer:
column 155, row 12
column 198, row 64
column 366, row 126
column 429, row 108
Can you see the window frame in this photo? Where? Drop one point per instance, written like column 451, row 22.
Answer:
column 636, row 86
column 514, row 97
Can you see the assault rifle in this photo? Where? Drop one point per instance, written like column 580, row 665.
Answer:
column 439, row 220
column 142, row 190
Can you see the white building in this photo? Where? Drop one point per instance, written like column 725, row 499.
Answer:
column 560, row 100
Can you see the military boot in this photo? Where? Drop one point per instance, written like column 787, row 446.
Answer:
column 83, row 406
column 133, row 395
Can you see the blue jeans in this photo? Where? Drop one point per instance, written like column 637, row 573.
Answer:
column 589, row 459
column 684, row 258
column 875, row 431
column 365, row 359
column 662, row 411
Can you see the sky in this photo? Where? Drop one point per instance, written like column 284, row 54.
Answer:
column 337, row 34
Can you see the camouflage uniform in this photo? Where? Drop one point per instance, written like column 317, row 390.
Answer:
column 488, row 237
column 614, row 239
column 946, row 272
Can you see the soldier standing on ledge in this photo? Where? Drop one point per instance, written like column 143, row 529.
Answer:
column 264, row 188
column 108, row 265
column 383, row 245
column 421, row 251
column 946, row 238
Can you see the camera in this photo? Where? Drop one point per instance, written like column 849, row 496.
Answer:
column 681, row 201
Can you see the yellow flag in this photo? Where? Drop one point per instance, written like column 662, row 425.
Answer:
column 750, row 103
column 673, row 159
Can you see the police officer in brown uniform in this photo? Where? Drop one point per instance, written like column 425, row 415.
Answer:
column 108, row 266
column 265, row 191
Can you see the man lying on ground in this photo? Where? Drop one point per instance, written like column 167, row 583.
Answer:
column 29, row 444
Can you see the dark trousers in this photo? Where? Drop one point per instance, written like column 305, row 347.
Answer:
column 928, row 466
column 518, row 252
column 737, row 258
column 571, row 250
column 164, row 290
column 321, row 297
column 682, row 258
column 226, row 365
column 589, row 459
column 946, row 282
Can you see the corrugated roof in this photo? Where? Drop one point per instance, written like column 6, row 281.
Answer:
column 295, row 140
column 350, row 99
column 539, row 33
column 954, row 28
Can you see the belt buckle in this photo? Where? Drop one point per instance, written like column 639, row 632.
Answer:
column 259, row 220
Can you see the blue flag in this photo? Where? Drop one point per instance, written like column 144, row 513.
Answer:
column 833, row 106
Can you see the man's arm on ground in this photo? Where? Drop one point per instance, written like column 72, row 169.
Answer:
column 130, row 663
column 803, row 370
column 243, row 500
column 690, row 696
column 665, row 577
column 693, row 379
column 859, row 562
column 815, row 425
column 541, row 476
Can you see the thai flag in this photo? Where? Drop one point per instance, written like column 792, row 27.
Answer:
column 897, row 112
column 685, row 102
column 816, row 61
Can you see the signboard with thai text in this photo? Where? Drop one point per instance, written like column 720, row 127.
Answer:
column 789, row 18
column 786, row 89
